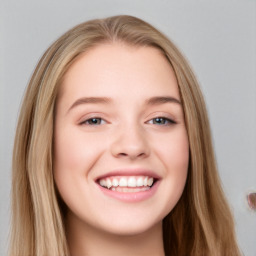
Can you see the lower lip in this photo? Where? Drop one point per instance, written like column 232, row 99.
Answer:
column 132, row 196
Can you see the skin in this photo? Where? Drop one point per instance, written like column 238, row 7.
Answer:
column 127, row 135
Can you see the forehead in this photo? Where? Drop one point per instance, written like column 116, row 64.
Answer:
column 109, row 69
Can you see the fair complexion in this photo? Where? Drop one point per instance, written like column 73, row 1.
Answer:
column 119, row 127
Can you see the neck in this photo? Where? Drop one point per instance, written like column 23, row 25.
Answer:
column 86, row 240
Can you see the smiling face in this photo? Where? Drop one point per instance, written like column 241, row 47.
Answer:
column 120, row 143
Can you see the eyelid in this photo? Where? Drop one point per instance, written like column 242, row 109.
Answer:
column 88, row 119
column 90, row 116
column 170, row 121
column 162, row 114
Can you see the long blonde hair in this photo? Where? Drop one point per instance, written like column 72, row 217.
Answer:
column 200, row 223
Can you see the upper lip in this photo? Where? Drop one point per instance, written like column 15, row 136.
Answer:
column 129, row 172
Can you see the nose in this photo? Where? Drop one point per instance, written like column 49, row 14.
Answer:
column 130, row 143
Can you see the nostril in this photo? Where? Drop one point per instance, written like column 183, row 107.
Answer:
column 122, row 154
column 132, row 155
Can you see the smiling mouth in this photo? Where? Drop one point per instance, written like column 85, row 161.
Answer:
column 127, row 184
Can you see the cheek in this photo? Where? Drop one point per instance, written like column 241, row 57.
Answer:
column 178, row 159
column 174, row 155
column 75, row 151
column 174, row 152
column 74, row 155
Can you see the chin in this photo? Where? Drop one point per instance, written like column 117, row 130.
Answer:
column 132, row 230
column 130, row 224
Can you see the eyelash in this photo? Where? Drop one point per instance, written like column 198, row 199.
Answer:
column 167, row 121
column 93, row 121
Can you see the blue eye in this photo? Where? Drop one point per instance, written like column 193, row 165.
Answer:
column 94, row 121
column 162, row 121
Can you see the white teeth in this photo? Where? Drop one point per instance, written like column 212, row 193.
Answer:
column 145, row 181
column 123, row 182
column 150, row 182
column 140, row 182
column 115, row 182
column 132, row 182
column 127, row 182
column 103, row 183
column 130, row 190
column 109, row 183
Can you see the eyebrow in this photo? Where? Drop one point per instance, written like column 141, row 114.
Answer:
column 90, row 100
column 161, row 100
column 104, row 100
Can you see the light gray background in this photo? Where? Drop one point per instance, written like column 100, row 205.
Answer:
column 219, row 39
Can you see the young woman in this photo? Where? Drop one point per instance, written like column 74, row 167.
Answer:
column 113, row 152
